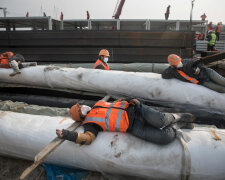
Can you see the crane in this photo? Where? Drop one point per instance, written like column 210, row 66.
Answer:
column 118, row 9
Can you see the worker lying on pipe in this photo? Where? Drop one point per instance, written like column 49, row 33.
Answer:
column 125, row 116
column 193, row 71
column 16, row 62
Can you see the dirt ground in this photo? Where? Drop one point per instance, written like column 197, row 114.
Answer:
column 11, row 169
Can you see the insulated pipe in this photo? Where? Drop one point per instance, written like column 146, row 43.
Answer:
column 132, row 67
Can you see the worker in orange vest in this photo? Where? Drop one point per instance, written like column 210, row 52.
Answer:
column 193, row 71
column 101, row 63
column 218, row 30
column 16, row 62
column 125, row 116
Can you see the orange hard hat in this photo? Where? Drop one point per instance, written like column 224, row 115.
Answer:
column 74, row 112
column 104, row 52
column 174, row 59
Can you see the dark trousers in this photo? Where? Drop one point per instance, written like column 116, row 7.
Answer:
column 210, row 47
column 216, row 82
column 149, row 125
column 217, row 36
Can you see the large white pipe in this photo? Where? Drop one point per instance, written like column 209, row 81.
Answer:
column 24, row 135
column 140, row 85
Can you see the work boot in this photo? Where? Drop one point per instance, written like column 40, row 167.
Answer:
column 182, row 125
column 184, row 117
column 171, row 118
column 14, row 66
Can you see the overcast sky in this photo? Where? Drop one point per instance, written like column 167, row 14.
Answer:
column 103, row 9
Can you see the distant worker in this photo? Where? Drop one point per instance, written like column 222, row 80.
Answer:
column 101, row 63
column 203, row 17
column 16, row 62
column 27, row 15
column 211, row 40
column 218, row 30
column 88, row 15
column 193, row 71
column 167, row 13
column 61, row 16
column 209, row 26
column 44, row 14
column 125, row 116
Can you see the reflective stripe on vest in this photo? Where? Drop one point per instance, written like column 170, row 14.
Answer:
column 213, row 40
column 110, row 116
column 99, row 62
column 193, row 80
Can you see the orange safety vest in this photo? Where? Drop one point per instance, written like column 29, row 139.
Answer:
column 99, row 62
column 4, row 62
column 218, row 28
column 193, row 80
column 110, row 116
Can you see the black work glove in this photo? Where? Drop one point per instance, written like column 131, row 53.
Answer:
column 69, row 135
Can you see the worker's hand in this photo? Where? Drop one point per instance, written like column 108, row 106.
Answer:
column 59, row 133
column 134, row 102
column 197, row 71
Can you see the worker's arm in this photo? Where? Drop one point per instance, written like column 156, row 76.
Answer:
column 79, row 138
column 90, row 132
column 168, row 73
column 8, row 54
column 209, row 37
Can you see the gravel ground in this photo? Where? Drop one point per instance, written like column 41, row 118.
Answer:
column 11, row 169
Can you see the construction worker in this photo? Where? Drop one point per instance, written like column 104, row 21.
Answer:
column 101, row 63
column 125, row 116
column 211, row 40
column 218, row 30
column 193, row 71
column 16, row 62
column 209, row 26
column 88, row 15
column 167, row 12
column 61, row 16
column 203, row 17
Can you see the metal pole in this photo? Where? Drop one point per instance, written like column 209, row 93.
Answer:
column 192, row 5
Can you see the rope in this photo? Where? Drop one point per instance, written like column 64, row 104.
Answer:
column 186, row 158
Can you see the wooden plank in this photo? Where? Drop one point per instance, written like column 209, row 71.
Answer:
column 40, row 157
column 213, row 57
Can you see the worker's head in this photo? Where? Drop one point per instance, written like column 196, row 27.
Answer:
column 18, row 58
column 104, row 55
column 78, row 112
column 210, row 22
column 175, row 61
